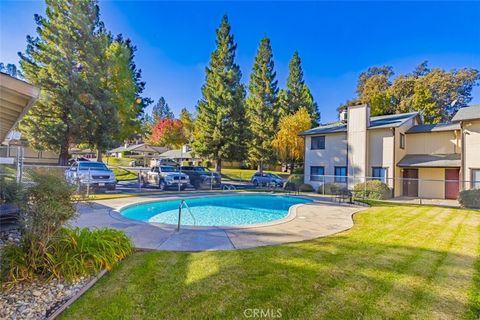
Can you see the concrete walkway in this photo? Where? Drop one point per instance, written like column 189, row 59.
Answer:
column 307, row 221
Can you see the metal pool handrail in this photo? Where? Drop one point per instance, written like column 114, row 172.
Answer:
column 184, row 203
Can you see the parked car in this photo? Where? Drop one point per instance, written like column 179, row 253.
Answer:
column 202, row 177
column 165, row 177
column 92, row 174
column 266, row 179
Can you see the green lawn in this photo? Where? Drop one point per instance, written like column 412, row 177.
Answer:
column 244, row 174
column 397, row 262
column 124, row 174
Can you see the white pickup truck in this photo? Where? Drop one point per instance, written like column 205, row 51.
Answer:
column 91, row 174
column 165, row 177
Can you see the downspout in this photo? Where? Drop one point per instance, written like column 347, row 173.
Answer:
column 394, row 162
column 346, row 163
column 462, row 157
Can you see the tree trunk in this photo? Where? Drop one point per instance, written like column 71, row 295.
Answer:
column 260, row 168
column 218, row 165
column 99, row 155
column 63, row 157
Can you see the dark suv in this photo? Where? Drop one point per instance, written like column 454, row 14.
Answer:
column 201, row 177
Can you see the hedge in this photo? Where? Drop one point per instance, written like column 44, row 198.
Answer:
column 375, row 190
column 470, row 198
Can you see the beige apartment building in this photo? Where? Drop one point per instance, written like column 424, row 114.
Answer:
column 414, row 159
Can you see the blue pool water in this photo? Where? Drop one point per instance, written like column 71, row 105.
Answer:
column 216, row 210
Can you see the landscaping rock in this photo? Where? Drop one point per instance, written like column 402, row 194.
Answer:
column 36, row 300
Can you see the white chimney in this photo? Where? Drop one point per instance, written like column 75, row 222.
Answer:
column 358, row 123
column 344, row 115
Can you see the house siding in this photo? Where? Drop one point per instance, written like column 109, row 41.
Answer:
column 380, row 153
column 334, row 155
column 472, row 150
column 445, row 142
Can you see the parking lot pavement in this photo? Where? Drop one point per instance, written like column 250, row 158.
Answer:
column 132, row 186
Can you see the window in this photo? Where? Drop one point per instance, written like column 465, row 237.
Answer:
column 402, row 141
column 380, row 174
column 318, row 143
column 316, row 173
column 341, row 174
column 475, row 178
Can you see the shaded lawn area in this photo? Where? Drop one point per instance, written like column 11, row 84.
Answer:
column 245, row 174
column 396, row 262
column 124, row 174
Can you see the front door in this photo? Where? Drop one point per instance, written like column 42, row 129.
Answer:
column 451, row 183
column 410, row 182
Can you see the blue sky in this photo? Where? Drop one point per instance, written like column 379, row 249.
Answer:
column 336, row 41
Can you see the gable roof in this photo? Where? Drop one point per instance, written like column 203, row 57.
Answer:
column 386, row 121
column 142, row 147
column 422, row 128
column 467, row 113
column 391, row 120
column 177, row 154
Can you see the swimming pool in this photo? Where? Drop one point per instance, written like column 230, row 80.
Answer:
column 232, row 210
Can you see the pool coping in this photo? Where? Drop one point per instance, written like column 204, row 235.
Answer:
column 292, row 212
column 319, row 218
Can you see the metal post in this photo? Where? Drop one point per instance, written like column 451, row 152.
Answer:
column 179, row 216
column 365, row 188
column 88, row 183
column 323, row 187
column 211, row 181
column 19, row 164
column 418, row 190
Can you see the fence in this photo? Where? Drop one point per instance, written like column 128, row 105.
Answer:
column 369, row 187
column 133, row 180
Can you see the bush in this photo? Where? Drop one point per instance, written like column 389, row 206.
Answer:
column 298, row 170
column 46, row 207
column 375, row 190
column 72, row 253
column 10, row 191
column 294, row 182
column 330, row 188
column 305, row 187
column 470, row 198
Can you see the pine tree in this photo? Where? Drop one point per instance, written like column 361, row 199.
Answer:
column 55, row 62
column 220, row 126
column 298, row 93
column 161, row 110
column 261, row 106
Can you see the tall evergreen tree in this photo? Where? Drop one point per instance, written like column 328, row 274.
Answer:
column 261, row 106
column 161, row 110
column 55, row 62
column 298, row 93
column 220, row 126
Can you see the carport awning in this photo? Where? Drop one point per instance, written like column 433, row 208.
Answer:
column 430, row 161
column 16, row 97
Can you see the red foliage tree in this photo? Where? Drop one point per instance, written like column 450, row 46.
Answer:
column 168, row 133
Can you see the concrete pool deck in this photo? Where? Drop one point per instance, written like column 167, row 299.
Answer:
column 312, row 220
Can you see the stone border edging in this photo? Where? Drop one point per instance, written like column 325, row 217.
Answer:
column 77, row 295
